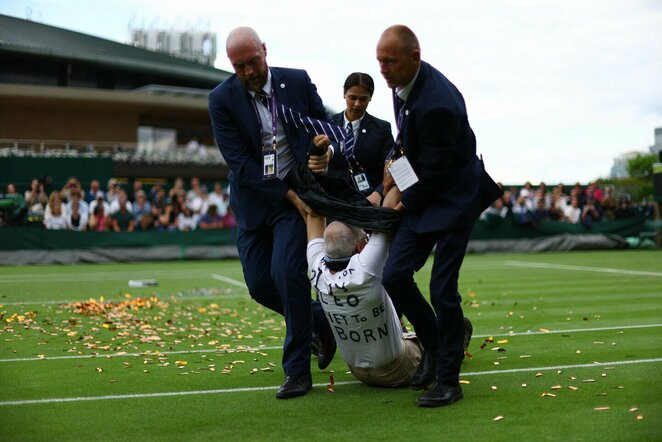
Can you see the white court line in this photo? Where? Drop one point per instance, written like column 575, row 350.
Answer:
column 543, row 265
column 229, row 280
column 253, row 389
column 251, row 349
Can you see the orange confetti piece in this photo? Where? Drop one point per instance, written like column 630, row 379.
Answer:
column 640, row 417
column 555, row 387
column 503, row 341
column 464, row 382
column 329, row 386
column 570, row 387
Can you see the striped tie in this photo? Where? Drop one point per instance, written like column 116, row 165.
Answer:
column 294, row 118
column 349, row 141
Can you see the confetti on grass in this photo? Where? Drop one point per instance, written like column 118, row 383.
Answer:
column 329, row 386
column 498, row 418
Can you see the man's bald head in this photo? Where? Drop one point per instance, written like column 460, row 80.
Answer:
column 340, row 240
column 247, row 54
column 399, row 55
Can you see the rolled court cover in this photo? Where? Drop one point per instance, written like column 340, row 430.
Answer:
column 333, row 198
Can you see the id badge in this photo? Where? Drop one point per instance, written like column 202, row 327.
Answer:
column 361, row 181
column 403, row 173
column 269, row 164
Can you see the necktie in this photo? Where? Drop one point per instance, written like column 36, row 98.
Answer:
column 349, row 141
column 296, row 119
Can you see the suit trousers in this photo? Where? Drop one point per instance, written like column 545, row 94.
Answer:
column 441, row 329
column 273, row 258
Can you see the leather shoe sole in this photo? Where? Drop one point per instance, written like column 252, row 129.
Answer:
column 441, row 395
column 295, row 386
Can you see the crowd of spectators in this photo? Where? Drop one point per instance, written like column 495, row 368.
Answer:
column 122, row 209
column 193, row 206
column 580, row 205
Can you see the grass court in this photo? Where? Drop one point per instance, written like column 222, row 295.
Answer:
column 566, row 347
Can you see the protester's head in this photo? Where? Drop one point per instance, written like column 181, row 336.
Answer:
column 341, row 240
column 248, row 56
column 358, row 89
column 399, row 55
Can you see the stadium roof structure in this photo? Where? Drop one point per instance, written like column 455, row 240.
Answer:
column 32, row 38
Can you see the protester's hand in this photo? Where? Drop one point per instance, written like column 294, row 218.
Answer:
column 303, row 208
column 375, row 198
column 320, row 163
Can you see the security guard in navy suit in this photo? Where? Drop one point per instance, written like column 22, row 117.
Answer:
column 260, row 151
column 446, row 190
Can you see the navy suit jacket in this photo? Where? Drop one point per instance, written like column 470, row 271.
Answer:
column 453, row 186
column 237, row 133
column 373, row 144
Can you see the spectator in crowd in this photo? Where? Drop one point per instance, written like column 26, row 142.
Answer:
column 540, row 213
column 212, row 219
column 71, row 185
column 522, row 210
column 554, row 212
column 91, row 193
column 76, row 219
column 99, row 219
column 178, row 186
column 168, row 218
column 526, row 191
column 200, row 202
column 229, row 221
column 495, row 214
column 194, row 191
column 36, row 198
column 219, row 198
column 142, row 211
column 121, row 200
column 137, row 186
column 52, row 198
column 187, row 219
column 55, row 219
column 122, row 219
column 15, row 211
column 99, row 201
column 76, row 196
column 507, row 199
column 608, row 203
column 624, row 209
column 112, row 188
column 591, row 212
column 573, row 212
column 559, row 198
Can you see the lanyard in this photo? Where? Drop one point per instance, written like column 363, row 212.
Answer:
column 272, row 107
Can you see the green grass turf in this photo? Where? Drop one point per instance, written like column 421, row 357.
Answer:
column 560, row 313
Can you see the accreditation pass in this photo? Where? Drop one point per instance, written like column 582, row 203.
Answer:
column 403, row 173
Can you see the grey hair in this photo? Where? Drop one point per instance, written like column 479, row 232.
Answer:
column 340, row 239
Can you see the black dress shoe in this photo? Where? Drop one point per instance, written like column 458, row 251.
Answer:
column 295, row 386
column 426, row 371
column 440, row 395
column 327, row 348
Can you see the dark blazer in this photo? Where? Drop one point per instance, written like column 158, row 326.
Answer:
column 373, row 143
column 237, row 133
column 453, row 186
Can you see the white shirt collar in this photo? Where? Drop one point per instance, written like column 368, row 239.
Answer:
column 404, row 92
column 355, row 123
